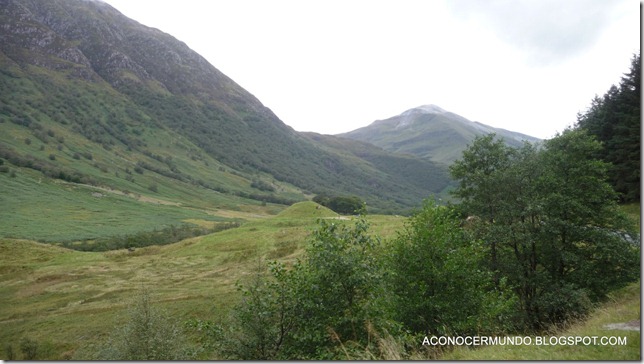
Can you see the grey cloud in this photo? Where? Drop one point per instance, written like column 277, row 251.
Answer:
column 549, row 31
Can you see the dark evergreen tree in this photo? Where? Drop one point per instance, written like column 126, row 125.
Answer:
column 614, row 120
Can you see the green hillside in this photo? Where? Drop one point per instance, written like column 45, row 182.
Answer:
column 120, row 127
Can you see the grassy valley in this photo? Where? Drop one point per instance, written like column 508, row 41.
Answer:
column 130, row 167
column 64, row 299
column 67, row 301
column 100, row 105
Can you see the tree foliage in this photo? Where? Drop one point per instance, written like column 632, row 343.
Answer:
column 543, row 240
column 347, row 205
column 334, row 294
column 549, row 221
column 614, row 119
column 440, row 283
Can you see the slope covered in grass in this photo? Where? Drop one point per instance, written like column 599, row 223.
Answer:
column 623, row 306
column 65, row 299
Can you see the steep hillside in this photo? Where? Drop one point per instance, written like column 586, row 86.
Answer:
column 96, row 105
column 430, row 132
column 408, row 172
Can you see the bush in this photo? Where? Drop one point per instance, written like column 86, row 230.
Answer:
column 29, row 348
column 9, row 354
column 263, row 322
column 439, row 280
column 148, row 334
column 563, row 303
column 347, row 205
column 335, row 295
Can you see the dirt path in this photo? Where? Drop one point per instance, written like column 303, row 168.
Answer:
column 629, row 326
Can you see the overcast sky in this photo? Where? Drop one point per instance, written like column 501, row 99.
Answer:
column 332, row 66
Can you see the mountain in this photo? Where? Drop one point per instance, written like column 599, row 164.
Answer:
column 430, row 132
column 95, row 104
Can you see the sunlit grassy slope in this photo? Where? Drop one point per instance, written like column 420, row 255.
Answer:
column 64, row 299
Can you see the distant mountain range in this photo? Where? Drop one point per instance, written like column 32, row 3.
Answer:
column 430, row 132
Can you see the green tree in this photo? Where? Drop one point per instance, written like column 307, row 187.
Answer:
column 582, row 224
column 264, row 322
column 615, row 120
column 334, row 294
column 340, row 286
column 479, row 173
column 550, row 222
column 439, row 279
column 341, row 204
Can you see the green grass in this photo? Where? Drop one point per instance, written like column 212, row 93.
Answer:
column 52, row 210
column 63, row 298
column 623, row 306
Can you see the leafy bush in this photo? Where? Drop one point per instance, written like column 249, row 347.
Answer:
column 333, row 295
column 439, row 279
column 148, row 334
column 29, row 348
column 347, row 205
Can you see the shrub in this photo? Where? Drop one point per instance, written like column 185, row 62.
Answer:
column 148, row 334
column 9, row 354
column 439, row 280
column 29, row 348
column 334, row 295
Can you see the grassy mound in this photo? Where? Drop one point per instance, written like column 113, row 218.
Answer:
column 307, row 209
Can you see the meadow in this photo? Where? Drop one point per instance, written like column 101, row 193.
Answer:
column 63, row 299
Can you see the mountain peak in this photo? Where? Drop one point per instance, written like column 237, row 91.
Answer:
column 429, row 131
column 425, row 109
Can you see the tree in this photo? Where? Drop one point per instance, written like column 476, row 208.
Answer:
column 479, row 173
column 439, row 279
column 264, row 322
column 614, row 120
column 550, row 222
column 340, row 287
column 334, row 294
column 581, row 220
column 347, row 205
